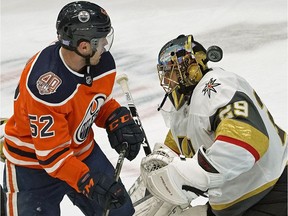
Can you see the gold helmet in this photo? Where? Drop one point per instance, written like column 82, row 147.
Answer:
column 182, row 62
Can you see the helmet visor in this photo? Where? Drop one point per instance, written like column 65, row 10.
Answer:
column 104, row 43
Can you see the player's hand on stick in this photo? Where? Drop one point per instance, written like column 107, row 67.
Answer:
column 121, row 128
column 100, row 187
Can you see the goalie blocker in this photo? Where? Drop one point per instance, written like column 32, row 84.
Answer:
column 166, row 181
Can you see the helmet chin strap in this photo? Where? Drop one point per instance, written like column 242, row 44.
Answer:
column 93, row 43
column 86, row 57
column 88, row 80
column 186, row 90
column 163, row 102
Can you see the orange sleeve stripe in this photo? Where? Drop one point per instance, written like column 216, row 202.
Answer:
column 105, row 112
column 47, row 161
column 22, row 158
column 241, row 144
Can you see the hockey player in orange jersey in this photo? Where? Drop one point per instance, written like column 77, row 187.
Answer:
column 49, row 144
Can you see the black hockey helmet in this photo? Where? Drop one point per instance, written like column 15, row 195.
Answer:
column 83, row 21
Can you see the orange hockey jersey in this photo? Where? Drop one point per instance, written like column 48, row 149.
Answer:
column 54, row 110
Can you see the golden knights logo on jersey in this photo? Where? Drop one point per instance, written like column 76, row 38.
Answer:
column 210, row 86
column 48, row 83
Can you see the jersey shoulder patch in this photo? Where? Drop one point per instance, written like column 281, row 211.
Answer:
column 217, row 87
column 49, row 80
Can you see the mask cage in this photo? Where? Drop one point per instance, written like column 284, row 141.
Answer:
column 181, row 65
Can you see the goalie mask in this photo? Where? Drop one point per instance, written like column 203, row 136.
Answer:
column 182, row 62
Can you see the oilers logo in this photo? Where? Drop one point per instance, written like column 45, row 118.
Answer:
column 91, row 113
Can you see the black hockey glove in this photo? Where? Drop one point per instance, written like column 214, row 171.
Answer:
column 122, row 129
column 103, row 189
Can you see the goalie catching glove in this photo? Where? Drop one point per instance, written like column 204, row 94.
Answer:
column 103, row 189
column 122, row 130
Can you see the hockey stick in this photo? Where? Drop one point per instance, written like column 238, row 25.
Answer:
column 118, row 168
column 122, row 80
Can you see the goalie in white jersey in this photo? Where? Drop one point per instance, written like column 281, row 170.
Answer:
column 235, row 153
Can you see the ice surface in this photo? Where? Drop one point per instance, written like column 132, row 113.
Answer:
column 252, row 34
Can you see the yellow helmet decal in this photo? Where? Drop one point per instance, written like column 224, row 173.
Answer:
column 188, row 44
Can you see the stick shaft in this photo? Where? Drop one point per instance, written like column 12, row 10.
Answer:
column 117, row 172
column 119, row 164
column 122, row 80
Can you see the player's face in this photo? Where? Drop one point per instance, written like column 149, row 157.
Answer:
column 102, row 45
column 94, row 60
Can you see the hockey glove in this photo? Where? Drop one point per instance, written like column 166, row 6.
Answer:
column 102, row 189
column 122, row 130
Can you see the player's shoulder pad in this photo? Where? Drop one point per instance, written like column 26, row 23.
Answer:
column 49, row 80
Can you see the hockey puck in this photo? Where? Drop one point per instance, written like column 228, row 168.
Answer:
column 214, row 53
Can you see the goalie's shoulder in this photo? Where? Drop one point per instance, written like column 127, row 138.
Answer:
column 215, row 82
column 216, row 88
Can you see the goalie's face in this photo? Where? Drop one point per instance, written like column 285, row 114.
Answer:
column 178, row 75
column 168, row 77
column 180, row 71
column 181, row 63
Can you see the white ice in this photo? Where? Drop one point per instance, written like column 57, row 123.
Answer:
column 252, row 34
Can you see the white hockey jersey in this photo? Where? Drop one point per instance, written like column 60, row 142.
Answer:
column 242, row 141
